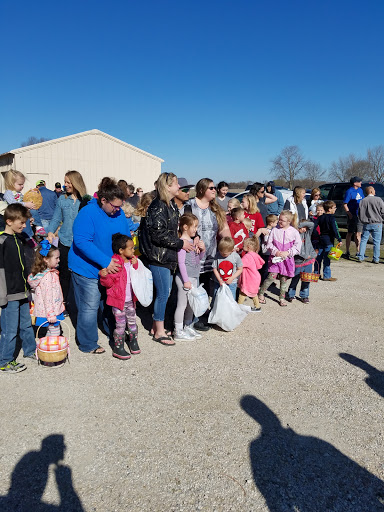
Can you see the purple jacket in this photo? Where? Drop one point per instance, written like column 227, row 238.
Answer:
column 284, row 240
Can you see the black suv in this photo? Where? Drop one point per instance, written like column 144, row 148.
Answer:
column 336, row 192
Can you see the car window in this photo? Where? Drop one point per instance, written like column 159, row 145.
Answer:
column 339, row 191
column 379, row 190
column 324, row 189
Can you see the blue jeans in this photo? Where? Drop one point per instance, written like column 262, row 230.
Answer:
column 162, row 279
column 15, row 317
column 45, row 223
column 216, row 286
column 376, row 231
column 323, row 257
column 304, row 288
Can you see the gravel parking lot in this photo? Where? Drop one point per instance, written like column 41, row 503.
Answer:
column 283, row 414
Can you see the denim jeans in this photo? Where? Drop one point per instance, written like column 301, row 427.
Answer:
column 162, row 279
column 323, row 257
column 304, row 288
column 45, row 223
column 376, row 231
column 216, row 286
column 15, row 317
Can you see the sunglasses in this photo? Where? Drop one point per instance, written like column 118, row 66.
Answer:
column 212, row 188
column 185, row 189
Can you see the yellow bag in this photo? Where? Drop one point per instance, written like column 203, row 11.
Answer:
column 135, row 240
column 335, row 253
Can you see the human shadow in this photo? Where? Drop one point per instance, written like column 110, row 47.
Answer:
column 375, row 379
column 30, row 476
column 304, row 473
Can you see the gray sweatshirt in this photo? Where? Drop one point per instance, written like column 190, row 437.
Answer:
column 371, row 210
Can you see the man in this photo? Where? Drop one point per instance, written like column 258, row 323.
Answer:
column 352, row 198
column 58, row 189
column 133, row 198
column 183, row 195
column 49, row 204
column 371, row 215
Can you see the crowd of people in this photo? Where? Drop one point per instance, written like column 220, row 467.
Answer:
column 76, row 254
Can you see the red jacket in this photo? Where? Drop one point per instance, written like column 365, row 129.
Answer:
column 238, row 232
column 116, row 285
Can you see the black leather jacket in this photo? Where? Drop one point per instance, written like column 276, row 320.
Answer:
column 158, row 240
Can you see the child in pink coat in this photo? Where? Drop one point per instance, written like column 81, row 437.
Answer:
column 121, row 297
column 249, row 280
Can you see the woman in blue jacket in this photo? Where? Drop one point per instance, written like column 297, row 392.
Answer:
column 91, row 251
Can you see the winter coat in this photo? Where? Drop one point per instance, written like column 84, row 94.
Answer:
column 293, row 206
column 13, row 273
column 116, row 285
column 249, row 280
column 48, row 296
column 284, row 240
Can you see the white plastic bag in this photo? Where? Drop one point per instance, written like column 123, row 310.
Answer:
column 142, row 283
column 198, row 300
column 226, row 313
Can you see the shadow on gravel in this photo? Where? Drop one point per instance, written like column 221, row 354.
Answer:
column 375, row 379
column 304, row 473
column 30, row 476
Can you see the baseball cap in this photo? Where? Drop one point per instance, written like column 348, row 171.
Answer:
column 183, row 183
column 57, row 184
column 355, row 179
column 40, row 182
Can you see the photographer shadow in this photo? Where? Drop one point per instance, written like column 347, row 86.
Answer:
column 305, row 473
column 375, row 379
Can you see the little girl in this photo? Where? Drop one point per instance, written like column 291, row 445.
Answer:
column 252, row 212
column 44, row 282
column 121, row 297
column 232, row 203
column 284, row 242
column 186, row 278
column 249, row 280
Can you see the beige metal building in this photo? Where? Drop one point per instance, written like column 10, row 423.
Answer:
column 94, row 154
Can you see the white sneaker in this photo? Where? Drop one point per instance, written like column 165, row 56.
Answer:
column 190, row 330
column 183, row 335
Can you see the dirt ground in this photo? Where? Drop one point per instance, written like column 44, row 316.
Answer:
column 285, row 413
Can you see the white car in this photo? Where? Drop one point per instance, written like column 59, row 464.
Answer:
column 285, row 192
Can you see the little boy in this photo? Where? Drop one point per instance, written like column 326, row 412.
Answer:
column 227, row 266
column 248, row 224
column 237, row 228
column 14, row 291
column 328, row 232
column 271, row 221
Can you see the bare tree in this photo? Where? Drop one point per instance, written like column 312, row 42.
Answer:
column 349, row 166
column 33, row 140
column 314, row 173
column 288, row 165
column 375, row 158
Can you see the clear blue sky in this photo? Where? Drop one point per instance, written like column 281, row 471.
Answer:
column 215, row 88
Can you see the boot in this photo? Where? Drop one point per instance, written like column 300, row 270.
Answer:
column 132, row 343
column 118, row 349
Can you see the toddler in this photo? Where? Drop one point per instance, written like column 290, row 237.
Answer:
column 121, row 297
column 187, row 277
column 316, row 231
column 249, row 280
column 284, row 242
column 227, row 266
column 328, row 232
column 248, row 224
column 237, row 228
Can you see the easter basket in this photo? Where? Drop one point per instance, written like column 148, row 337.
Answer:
column 34, row 196
column 52, row 349
column 310, row 277
column 335, row 253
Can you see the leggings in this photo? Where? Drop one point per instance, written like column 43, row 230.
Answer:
column 271, row 277
column 243, row 296
column 125, row 317
column 53, row 330
column 183, row 313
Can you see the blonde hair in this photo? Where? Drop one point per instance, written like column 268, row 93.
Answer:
column 234, row 203
column 165, row 180
column 77, row 183
column 253, row 244
column 142, row 206
column 201, row 188
column 252, row 204
column 226, row 244
column 296, row 194
column 271, row 218
column 128, row 209
column 292, row 218
column 247, row 223
column 10, row 178
column 315, row 191
column 369, row 190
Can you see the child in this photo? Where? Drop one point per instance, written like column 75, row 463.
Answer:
column 249, row 280
column 45, row 283
column 186, row 278
column 316, row 231
column 284, row 242
column 120, row 295
column 272, row 221
column 252, row 212
column 227, row 266
column 248, row 224
column 14, row 292
column 232, row 203
column 303, row 262
column 328, row 232
column 237, row 228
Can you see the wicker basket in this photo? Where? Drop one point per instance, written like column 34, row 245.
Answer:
column 310, row 277
column 52, row 349
column 34, row 195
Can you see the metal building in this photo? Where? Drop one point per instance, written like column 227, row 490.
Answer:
column 94, row 154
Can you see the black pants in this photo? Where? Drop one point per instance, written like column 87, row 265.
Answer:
column 65, row 274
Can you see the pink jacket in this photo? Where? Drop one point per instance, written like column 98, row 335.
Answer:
column 48, row 296
column 284, row 240
column 249, row 280
column 116, row 285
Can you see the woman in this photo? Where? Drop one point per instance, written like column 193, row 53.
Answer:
column 212, row 225
column 67, row 208
column 314, row 200
column 159, row 243
column 90, row 252
column 297, row 204
column 276, row 207
column 222, row 191
column 263, row 199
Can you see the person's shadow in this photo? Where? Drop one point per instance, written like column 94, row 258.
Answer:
column 375, row 379
column 304, row 473
column 30, row 476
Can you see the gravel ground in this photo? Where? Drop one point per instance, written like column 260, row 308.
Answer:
column 269, row 417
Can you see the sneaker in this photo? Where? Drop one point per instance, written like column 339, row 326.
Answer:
column 290, row 299
column 13, row 367
column 329, row 278
column 305, row 300
column 190, row 330
column 347, row 256
column 40, row 231
column 132, row 343
column 201, row 326
column 31, row 357
column 375, row 262
column 255, row 310
column 183, row 335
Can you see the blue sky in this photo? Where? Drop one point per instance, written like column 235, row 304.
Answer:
column 215, row 88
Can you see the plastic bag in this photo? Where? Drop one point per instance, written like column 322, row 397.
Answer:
column 198, row 300
column 142, row 283
column 226, row 313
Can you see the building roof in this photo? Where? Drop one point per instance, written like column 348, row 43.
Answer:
column 76, row 136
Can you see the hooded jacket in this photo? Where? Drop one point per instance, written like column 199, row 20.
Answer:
column 116, row 285
column 48, row 296
column 293, row 206
column 13, row 273
column 307, row 252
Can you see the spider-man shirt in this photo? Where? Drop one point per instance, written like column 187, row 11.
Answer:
column 227, row 266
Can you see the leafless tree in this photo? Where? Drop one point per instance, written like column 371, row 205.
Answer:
column 313, row 173
column 375, row 158
column 346, row 167
column 288, row 165
column 33, row 140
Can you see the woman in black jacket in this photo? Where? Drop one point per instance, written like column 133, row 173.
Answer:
column 159, row 243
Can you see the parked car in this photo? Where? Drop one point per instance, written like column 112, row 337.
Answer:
column 336, row 192
column 286, row 193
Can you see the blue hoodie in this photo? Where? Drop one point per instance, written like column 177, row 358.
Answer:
column 91, row 249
